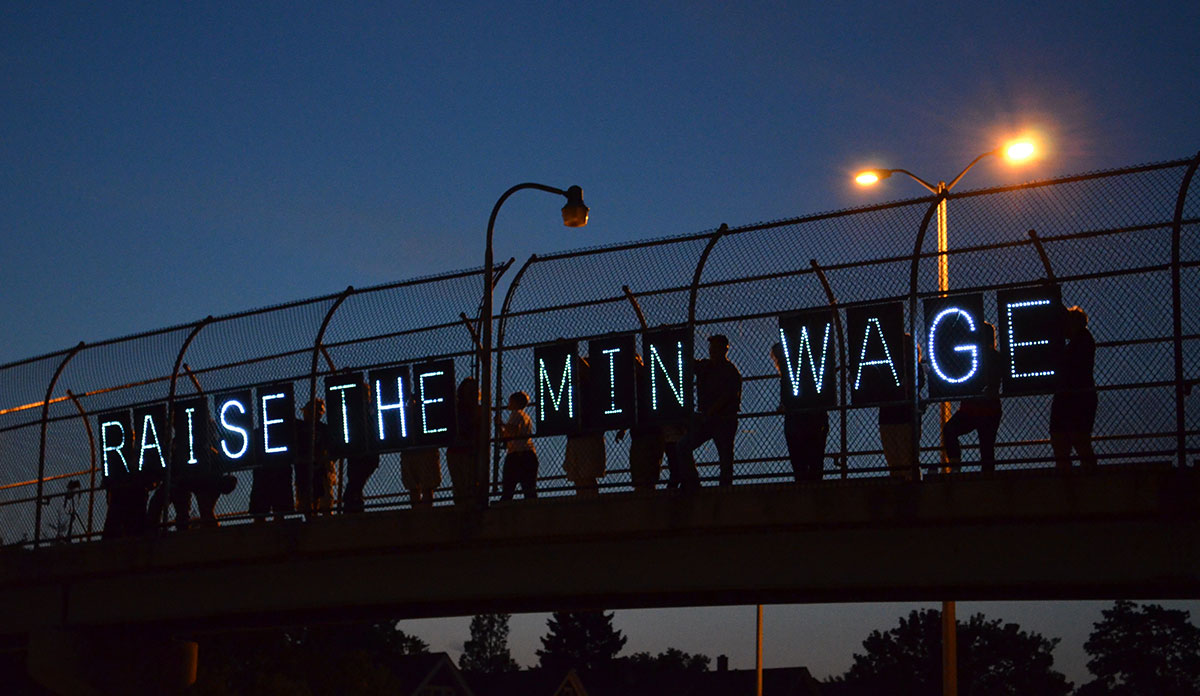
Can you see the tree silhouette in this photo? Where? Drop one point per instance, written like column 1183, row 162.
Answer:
column 671, row 660
column 486, row 651
column 585, row 640
column 994, row 659
column 1143, row 649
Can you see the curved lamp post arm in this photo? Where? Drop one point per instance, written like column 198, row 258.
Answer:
column 967, row 168
column 928, row 186
column 574, row 196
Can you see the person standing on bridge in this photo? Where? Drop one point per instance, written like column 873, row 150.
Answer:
column 315, row 471
column 897, row 422
column 647, row 444
column 1073, row 408
column 521, row 461
column 719, row 397
column 462, row 456
column 805, row 432
column 980, row 413
column 584, row 460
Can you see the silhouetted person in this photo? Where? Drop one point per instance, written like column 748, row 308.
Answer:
column 421, row 474
column 979, row 413
column 271, row 485
column 208, row 489
column 462, row 457
column 520, row 462
column 646, row 447
column 126, row 514
column 896, row 423
column 180, row 499
column 804, row 431
column 1073, row 408
column 359, row 469
column 584, row 460
column 719, row 397
column 315, row 471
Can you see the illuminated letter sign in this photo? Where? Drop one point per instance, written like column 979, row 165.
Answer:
column 669, row 367
column 116, row 444
column 1031, row 338
column 190, row 441
column 611, row 387
column 346, row 399
column 875, row 342
column 149, row 425
column 953, row 334
column 556, row 374
column 391, row 391
column 277, row 423
column 235, row 423
column 808, row 370
column 434, row 417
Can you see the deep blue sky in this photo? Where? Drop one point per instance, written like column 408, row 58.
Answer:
column 162, row 162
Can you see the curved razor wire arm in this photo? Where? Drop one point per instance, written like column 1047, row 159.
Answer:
column 1182, row 388
column 1045, row 258
column 312, row 386
column 712, row 242
column 915, row 418
column 493, row 442
column 170, row 434
column 843, row 458
column 91, row 436
column 41, row 477
column 637, row 307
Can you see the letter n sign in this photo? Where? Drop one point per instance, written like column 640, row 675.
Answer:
column 954, row 346
column 556, row 374
column 668, row 384
column 875, row 343
column 1031, row 338
column 809, row 368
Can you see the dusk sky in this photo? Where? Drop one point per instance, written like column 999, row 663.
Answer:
column 164, row 162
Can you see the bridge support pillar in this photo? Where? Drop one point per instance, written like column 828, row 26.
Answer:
column 76, row 662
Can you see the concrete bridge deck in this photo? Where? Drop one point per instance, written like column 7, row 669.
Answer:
column 1116, row 532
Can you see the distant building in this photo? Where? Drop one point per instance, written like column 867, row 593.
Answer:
column 430, row 674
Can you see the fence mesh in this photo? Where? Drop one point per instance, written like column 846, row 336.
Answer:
column 1107, row 238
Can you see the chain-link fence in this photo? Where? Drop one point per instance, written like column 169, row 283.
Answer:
column 1121, row 244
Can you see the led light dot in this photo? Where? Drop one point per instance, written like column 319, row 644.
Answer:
column 862, row 358
column 973, row 349
column 1013, row 343
column 425, row 402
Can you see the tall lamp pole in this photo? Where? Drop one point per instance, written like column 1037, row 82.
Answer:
column 574, row 214
column 1017, row 151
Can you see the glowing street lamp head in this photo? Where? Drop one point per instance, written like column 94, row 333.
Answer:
column 871, row 176
column 1019, row 150
column 575, row 213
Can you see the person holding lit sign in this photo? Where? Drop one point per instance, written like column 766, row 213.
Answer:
column 584, row 459
column 521, row 462
column 719, row 396
column 981, row 413
column 1073, row 408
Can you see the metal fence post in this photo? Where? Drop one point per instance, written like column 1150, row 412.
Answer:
column 41, row 479
column 312, row 395
column 914, row 269
column 1177, row 312
column 844, row 458
column 489, row 410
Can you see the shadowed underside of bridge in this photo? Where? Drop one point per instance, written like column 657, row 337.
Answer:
column 1025, row 535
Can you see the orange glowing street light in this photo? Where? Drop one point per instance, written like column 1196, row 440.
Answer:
column 1015, row 151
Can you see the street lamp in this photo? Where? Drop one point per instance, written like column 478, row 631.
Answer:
column 1015, row 151
column 574, row 214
